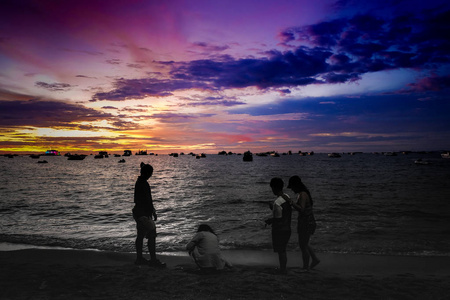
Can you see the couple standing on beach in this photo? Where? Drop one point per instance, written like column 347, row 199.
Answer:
column 281, row 221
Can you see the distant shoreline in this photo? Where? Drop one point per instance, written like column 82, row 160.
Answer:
column 295, row 152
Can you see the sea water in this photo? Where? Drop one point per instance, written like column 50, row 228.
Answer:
column 363, row 203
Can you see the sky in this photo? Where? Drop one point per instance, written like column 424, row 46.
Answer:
column 206, row 76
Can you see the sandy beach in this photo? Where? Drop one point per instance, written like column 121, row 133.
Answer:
column 83, row 274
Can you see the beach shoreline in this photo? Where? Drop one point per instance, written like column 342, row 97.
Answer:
column 81, row 274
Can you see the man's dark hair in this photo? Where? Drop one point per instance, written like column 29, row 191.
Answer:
column 277, row 183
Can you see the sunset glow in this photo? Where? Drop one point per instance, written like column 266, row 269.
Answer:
column 172, row 76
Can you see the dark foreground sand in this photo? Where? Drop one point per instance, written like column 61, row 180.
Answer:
column 72, row 274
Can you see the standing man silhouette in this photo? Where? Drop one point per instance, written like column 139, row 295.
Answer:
column 142, row 213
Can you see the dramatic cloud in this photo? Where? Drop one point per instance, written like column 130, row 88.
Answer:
column 279, row 69
column 366, row 43
column 337, row 51
column 141, row 88
column 46, row 113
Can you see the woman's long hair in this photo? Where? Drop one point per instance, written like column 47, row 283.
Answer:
column 303, row 188
column 297, row 181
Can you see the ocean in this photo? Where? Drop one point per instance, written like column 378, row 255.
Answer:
column 364, row 203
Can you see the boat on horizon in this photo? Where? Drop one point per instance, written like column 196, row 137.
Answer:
column 422, row 162
column 76, row 157
column 248, row 156
column 101, row 154
column 390, row 154
column 142, row 152
column 52, row 153
column 445, row 154
column 334, row 155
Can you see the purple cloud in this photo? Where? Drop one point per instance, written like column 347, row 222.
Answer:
column 278, row 70
column 292, row 68
column 84, row 76
column 114, row 61
column 214, row 101
column 336, row 51
column 178, row 118
column 433, row 83
column 378, row 44
column 55, row 87
column 209, row 47
column 141, row 88
column 135, row 66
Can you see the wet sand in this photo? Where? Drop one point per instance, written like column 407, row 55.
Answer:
column 82, row 274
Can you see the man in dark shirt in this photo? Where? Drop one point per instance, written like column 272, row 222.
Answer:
column 142, row 213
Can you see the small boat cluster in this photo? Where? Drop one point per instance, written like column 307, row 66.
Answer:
column 247, row 156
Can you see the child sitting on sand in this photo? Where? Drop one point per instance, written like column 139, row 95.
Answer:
column 280, row 221
column 204, row 249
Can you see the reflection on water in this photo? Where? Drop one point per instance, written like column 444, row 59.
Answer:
column 364, row 203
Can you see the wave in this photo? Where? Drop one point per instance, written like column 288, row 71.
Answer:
column 127, row 246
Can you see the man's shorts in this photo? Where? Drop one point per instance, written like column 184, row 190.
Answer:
column 146, row 226
column 280, row 240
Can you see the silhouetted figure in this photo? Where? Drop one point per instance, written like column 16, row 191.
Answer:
column 306, row 225
column 142, row 213
column 204, row 249
column 280, row 221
